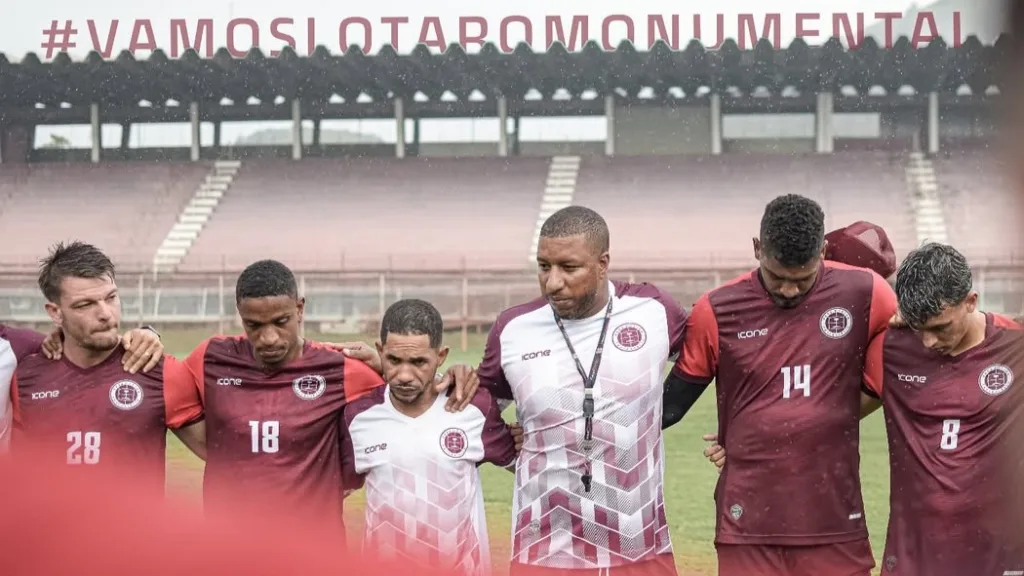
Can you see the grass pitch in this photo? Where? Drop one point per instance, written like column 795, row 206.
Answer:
column 689, row 481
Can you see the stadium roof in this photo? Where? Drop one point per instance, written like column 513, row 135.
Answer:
column 422, row 77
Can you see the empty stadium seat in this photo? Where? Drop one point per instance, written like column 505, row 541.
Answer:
column 372, row 213
column 125, row 208
column 703, row 210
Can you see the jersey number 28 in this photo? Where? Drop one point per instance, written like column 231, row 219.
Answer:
column 83, row 448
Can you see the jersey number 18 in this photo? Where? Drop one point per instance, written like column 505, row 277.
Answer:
column 266, row 436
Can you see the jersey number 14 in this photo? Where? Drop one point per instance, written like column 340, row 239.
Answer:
column 796, row 379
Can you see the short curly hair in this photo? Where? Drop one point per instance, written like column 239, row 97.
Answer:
column 793, row 230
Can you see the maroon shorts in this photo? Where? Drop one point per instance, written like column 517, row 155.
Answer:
column 662, row 565
column 843, row 559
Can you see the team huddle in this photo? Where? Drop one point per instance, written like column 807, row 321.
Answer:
column 800, row 350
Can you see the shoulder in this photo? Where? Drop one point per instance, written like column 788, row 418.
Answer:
column 223, row 346
column 511, row 314
column 22, row 341
column 36, row 365
column 485, row 403
column 372, row 398
column 1005, row 322
column 846, row 272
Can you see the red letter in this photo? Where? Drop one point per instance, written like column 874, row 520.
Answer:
column 579, row 32
column 841, row 23
column 656, row 31
column 720, row 24
column 140, row 26
column 108, row 48
column 464, row 38
column 919, row 37
column 503, row 31
column 204, row 36
column 394, row 21
column 745, row 24
column 310, row 35
column 276, row 34
column 802, row 32
column 957, row 41
column 343, row 33
column 438, row 41
column 888, row 17
column 606, row 27
column 236, row 22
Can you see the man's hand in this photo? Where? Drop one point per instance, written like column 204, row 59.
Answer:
column 144, row 350
column 465, row 381
column 715, row 453
column 53, row 345
column 360, row 351
column 517, row 435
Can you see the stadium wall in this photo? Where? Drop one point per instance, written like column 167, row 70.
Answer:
column 353, row 303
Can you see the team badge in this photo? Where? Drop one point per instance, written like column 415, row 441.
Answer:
column 126, row 395
column 836, row 323
column 736, row 511
column 995, row 379
column 309, row 387
column 629, row 337
column 454, row 442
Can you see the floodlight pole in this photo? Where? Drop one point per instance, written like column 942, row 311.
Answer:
column 502, row 126
column 193, row 113
column 716, row 123
column 933, row 122
column 296, row 129
column 97, row 135
column 609, row 116
column 399, row 128
column 823, row 123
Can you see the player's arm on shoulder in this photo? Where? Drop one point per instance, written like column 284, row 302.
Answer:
column 24, row 342
column 696, row 366
column 496, row 436
column 491, row 372
column 360, row 379
column 883, row 305
column 871, row 387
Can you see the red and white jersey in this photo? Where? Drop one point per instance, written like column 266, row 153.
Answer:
column 424, row 500
column 15, row 345
column 556, row 524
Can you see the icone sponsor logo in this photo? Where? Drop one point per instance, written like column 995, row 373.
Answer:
column 376, row 448
column 239, row 35
column 916, row 379
column 45, row 394
column 539, row 354
column 752, row 333
column 229, row 381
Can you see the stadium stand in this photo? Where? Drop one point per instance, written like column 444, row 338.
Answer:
column 981, row 205
column 703, row 210
column 126, row 208
column 416, row 213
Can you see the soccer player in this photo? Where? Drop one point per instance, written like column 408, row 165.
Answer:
column 950, row 400
column 424, row 500
column 143, row 347
column 83, row 409
column 274, row 404
column 583, row 364
column 786, row 345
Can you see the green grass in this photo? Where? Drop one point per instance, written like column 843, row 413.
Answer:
column 689, row 481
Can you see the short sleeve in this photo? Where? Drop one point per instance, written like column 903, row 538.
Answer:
column 23, row 342
column 698, row 360
column 675, row 315
column 499, row 446
column 195, row 363
column 883, row 305
column 873, row 366
column 490, row 372
column 182, row 402
column 360, row 379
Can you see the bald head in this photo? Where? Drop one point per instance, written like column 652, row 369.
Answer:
column 578, row 221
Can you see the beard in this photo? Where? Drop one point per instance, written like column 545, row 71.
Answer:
column 581, row 309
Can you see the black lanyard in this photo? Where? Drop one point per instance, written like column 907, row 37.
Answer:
column 588, row 385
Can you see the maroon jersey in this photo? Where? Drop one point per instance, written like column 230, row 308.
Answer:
column 274, row 437
column 789, row 389
column 101, row 417
column 15, row 345
column 949, row 421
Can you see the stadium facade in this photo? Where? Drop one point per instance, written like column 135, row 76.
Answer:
column 457, row 223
